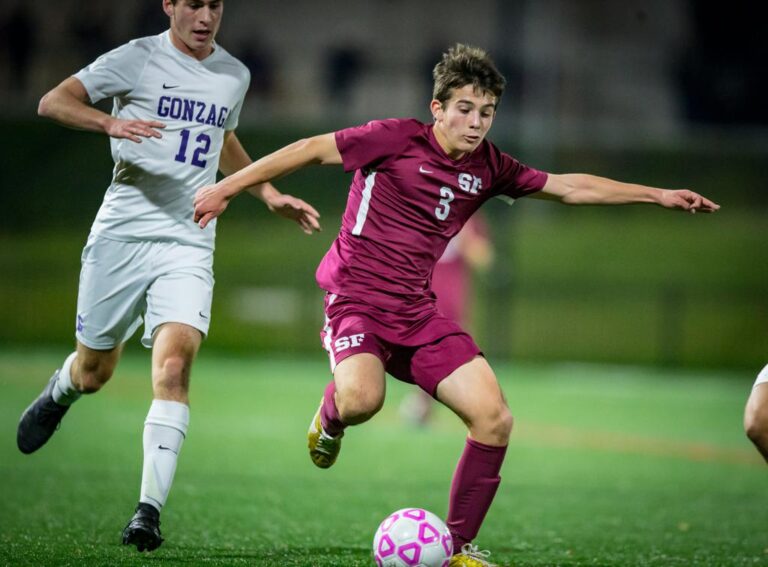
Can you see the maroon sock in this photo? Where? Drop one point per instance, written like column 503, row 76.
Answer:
column 329, row 414
column 474, row 485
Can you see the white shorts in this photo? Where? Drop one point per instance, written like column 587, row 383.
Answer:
column 167, row 282
column 762, row 378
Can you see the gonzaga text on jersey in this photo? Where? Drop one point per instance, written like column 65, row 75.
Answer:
column 192, row 110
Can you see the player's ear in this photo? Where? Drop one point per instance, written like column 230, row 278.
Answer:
column 436, row 107
column 168, row 7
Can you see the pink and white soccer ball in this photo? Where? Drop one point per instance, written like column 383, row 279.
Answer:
column 412, row 537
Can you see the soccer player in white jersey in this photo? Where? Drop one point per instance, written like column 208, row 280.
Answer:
column 415, row 185
column 756, row 413
column 176, row 101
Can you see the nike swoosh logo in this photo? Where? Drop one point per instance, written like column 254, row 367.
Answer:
column 422, row 170
column 164, row 448
column 170, row 86
column 202, row 315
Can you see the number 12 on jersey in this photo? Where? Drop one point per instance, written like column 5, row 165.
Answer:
column 203, row 145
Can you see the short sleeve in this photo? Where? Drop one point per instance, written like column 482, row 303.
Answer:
column 233, row 117
column 368, row 145
column 514, row 179
column 116, row 72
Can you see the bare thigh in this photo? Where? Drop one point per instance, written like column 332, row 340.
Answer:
column 473, row 393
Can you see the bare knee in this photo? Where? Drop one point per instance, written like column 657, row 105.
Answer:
column 501, row 425
column 93, row 373
column 493, row 427
column 171, row 378
column 360, row 387
column 357, row 405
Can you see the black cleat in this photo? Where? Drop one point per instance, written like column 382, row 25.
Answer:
column 143, row 530
column 40, row 420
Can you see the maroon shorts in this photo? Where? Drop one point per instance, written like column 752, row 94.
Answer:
column 421, row 348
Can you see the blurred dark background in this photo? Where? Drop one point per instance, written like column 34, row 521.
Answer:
column 668, row 93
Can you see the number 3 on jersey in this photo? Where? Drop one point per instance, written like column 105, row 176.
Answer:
column 446, row 196
column 204, row 144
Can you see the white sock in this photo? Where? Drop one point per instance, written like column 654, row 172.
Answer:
column 64, row 392
column 164, row 432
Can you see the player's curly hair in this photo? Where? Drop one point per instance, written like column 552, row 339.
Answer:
column 465, row 65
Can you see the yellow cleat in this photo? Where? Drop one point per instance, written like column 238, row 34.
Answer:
column 470, row 556
column 323, row 449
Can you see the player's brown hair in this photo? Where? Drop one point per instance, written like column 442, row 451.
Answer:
column 465, row 65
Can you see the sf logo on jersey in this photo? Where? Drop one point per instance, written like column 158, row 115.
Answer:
column 467, row 183
column 343, row 343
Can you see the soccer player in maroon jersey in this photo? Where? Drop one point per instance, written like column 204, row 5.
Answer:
column 414, row 187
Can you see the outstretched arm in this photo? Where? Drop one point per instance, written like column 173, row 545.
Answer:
column 69, row 105
column 212, row 200
column 584, row 189
column 234, row 158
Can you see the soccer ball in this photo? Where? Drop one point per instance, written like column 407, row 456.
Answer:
column 412, row 537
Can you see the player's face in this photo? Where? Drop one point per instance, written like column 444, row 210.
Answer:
column 194, row 24
column 462, row 122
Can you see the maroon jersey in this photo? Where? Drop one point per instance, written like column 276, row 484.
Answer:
column 406, row 201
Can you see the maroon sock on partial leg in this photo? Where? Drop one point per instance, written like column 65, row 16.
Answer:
column 329, row 414
column 474, row 485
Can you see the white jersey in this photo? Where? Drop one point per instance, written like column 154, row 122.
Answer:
column 154, row 182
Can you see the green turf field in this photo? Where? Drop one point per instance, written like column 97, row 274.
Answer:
column 608, row 466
